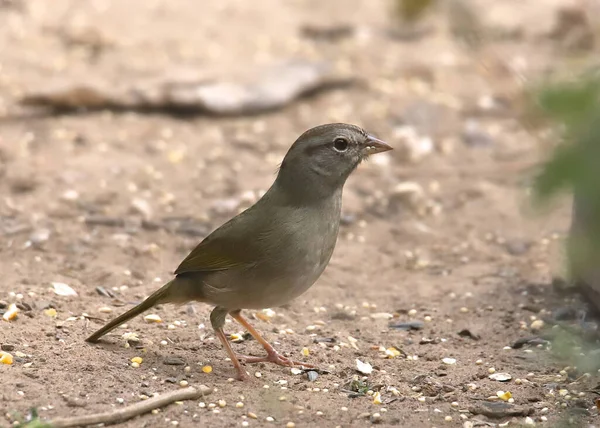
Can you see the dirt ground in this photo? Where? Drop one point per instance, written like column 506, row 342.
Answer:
column 446, row 239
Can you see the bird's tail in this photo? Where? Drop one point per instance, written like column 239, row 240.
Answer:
column 159, row 296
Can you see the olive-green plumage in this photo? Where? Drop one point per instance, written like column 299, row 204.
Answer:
column 276, row 249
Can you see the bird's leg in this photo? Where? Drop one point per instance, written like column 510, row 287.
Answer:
column 217, row 319
column 272, row 355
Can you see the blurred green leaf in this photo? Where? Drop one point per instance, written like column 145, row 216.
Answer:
column 574, row 108
column 412, row 10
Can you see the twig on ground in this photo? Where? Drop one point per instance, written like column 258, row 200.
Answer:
column 134, row 410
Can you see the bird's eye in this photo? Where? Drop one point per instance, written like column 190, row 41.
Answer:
column 340, row 144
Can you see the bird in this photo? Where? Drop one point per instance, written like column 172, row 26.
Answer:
column 275, row 250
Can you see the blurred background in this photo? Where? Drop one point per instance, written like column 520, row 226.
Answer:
column 130, row 130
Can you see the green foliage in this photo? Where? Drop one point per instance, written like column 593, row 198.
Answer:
column 32, row 420
column 574, row 107
column 412, row 10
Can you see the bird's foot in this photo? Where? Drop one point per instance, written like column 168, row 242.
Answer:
column 242, row 375
column 276, row 358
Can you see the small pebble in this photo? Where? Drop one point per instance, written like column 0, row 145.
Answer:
column 245, row 423
column 258, row 374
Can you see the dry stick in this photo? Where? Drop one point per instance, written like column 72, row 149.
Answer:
column 134, row 410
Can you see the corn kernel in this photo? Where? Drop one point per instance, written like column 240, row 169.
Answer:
column 505, row 396
column 137, row 360
column 51, row 312
column 305, row 352
column 11, row 313
column 6, row 358
column 207, row 369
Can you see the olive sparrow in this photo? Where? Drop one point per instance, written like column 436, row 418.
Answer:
column 275, row 250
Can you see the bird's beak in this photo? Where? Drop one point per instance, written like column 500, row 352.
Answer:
column 375, row 145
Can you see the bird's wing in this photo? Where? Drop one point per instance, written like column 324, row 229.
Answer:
column 228, row 247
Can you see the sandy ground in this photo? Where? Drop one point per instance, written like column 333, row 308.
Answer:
column 459, row 250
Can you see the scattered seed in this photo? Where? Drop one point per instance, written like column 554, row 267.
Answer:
column 6, row 358
column 258, row 374
column 270, row 419
column 245, row 423
column 202, row 404
column 364, row 368
column 11, row 313
column 504, row 396
column 500, row 377
column 290, row 425
column 183, row 383
column 239, row 404
column 207, row 369
column 427, row 318
column 381, row 316
column 305, row 352
column 252, row 415
column 50, row 312
column 152, row 318
column 137, row 360
column 135, row 365
column 537, row 325
column 412, row 312
column 105, row 310
column 448, row 418
column 479, row 362
column 449, row 361
column 377, row 398
column 63, row 289
column 491, row 370
column 222, row 403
